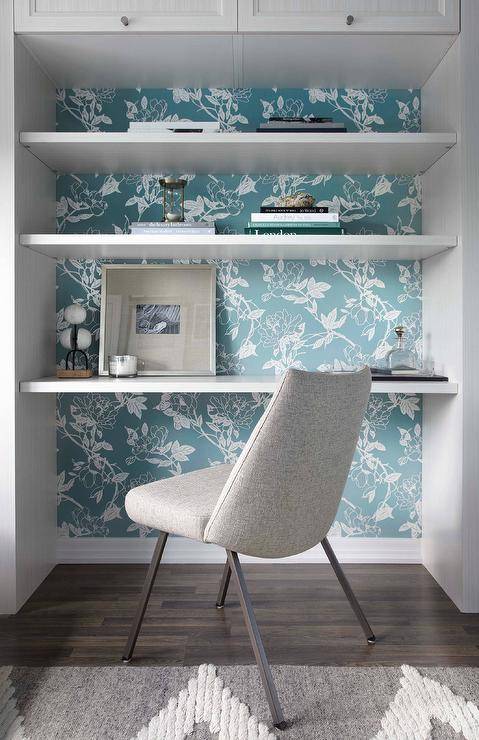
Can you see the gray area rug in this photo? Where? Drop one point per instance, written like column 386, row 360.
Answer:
column 227, row 703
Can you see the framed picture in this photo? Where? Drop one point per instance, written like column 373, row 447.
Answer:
column 163, row 314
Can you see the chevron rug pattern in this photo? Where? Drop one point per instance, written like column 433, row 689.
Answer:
column 198, row 703
column 205, row 700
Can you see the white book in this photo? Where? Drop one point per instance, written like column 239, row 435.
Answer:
column 169, row 225
column 407, row 372
column 302, row 125
column 175, row 233
column 166, row 126
column 299, row 217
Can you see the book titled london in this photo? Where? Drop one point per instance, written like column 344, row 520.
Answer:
column 258, row 230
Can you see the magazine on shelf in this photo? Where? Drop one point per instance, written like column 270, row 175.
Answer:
column 285, row 209
column 301, row 130
column 204, row 228
column 190, row 231
column 302, row 119
column 296, row 217
column 173, row 126
column 172, row 225
column 294, row 225
column 303, row 125
column 419, row 377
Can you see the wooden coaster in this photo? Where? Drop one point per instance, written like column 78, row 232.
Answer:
column 74, row 373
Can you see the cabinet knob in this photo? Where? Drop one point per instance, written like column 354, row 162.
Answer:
column 125, row 20
column 350, row 20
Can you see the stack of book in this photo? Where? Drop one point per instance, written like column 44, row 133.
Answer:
column 385, row 374
column 175, row 127
column 174, row 228
column 305, row 221
column 299, row 124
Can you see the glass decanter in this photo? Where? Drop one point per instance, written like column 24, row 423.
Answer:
column 399, row 358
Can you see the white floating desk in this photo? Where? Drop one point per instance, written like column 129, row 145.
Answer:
column 211, row 384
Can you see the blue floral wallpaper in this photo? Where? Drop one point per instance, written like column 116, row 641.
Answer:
column 237, row 109
column 373, row 204
column 270, row 314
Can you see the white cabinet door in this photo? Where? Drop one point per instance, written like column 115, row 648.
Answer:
column 348, row 16
column 125, row 16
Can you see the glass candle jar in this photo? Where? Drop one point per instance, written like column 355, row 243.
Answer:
column 122, row 366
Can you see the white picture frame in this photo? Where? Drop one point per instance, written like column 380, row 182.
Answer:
column 163, row 314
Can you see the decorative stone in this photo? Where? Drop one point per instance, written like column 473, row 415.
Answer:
column 83, row 338
column 297, row 200
column 66, row 338
column 74, row 314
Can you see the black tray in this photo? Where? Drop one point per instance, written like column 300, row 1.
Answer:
column 409, row 378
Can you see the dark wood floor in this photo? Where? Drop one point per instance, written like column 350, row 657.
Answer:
column 81, row 614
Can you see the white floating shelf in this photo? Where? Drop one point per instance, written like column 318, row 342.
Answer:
column 241, row 246
column 212, row 384
column 354, row 153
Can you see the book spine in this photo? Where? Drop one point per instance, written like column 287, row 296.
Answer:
column 284, row 209
column 405, row 372
column 168, row 125
column 171, row 225
column 174, row 232
column 300, row 218
column 303, row 125
column 300, row 119
column 311, row 130
column 293, row 225
column 272, row 231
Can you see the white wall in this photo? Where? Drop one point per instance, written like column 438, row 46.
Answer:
column 7, row 370
column 469, row 48
column 451, row 302
column 35, row 469
column 442, row 327
column 27, row 195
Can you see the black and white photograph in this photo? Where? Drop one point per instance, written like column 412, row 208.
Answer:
column 157, row 318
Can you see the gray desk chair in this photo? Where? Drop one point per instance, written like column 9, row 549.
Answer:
column 279, row 499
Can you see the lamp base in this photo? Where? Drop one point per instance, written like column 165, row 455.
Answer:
column 74, row 373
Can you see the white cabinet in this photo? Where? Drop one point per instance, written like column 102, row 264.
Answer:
column 348, row 16
column 125, row 16
column 248, row 16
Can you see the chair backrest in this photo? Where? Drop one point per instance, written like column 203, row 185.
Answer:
column 283, row 493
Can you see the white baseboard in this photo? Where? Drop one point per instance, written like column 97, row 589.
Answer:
column 181, row 550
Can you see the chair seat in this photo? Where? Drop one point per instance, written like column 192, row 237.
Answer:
column 180, row 505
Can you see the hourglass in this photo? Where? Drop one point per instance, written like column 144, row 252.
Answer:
column 173, row 199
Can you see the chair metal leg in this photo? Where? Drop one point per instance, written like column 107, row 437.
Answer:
column 349, row 592
column 144, row 598
column 256, row 642
column 225, row 582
